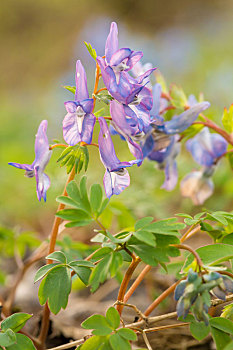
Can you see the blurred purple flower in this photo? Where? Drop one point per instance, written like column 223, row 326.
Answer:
column 79, row 122
column 116, row 177
column 198, row 185
column 206, row 147
column 114, row 68
column 42, row 156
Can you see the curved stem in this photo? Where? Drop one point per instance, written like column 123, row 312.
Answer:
column 58, row 145
column 97, row 78
column 215, row 127
column 52, row 244
column 162, row 296
column 191, row 231
column 125, row 282
column 136, row 283
column 186, row 247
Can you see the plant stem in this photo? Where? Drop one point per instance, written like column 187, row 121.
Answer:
column 97, row 78
column 52, row 244
column 136, row 283
column 186, row 247
column 125, row 282
column 162, row 296
column 215, row 127
column 58, row 145
column 192, row 230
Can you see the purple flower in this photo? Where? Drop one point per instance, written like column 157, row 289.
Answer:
column 42, row 156
column 79, row 122
column 206, row 147
column 161, row 140
column 114, row 68
column 198, row 185
column 116, row 177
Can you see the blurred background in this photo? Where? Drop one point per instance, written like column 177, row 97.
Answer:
column 189, row 41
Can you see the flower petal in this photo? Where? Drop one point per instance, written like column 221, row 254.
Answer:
column 41, row 144
column 119, row 56
column 171, row 175
column 157, row 90
column 81, row 92
column 196, row 187
column 27, row 167
column 71, row 106
column 111, row 45
column 181, row 122
column 121, row 121
column 42, row 183
column 87, row 129
column 70, row 129
column 87, row 105
column 115, row 183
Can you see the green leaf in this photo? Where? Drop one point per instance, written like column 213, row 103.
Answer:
column 222, row 324
column 143, row 222
column 83, row 192
column 43, row 271
column 7, row 338
column 96, row 197
column 73, row 192
column 93, row 343
column 217, row 217
column 168, row 226
column 117, row 342
column 100, row 272
column 229, row 346
column 183, row 215
column 81, row 263
column 102, row 252
column 15, row 322
column 22, row 343
column 103, row 205
column 73, row 214
column 99, row 324
column 70, row 88
column 57, row 256
column 113, row 317
column 212, row 254
column 228, row 312
column 83, row 273
column 127, row 333
column 91, row 51
column 55, row 288
column 199, row 330
column 227, row 119
column 221, row 338
column 78, row 223
column 69, row 201
column 146, row 237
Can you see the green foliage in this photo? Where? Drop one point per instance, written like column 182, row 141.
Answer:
column 219, row 331
column 91, row 51
column 228, row 312
column 9, row 338
column 105, row 331
column 70, row 88
column 74, row 156
column 15, row 322
column 211, row 255
column 104, row 97
column 227, row 119
column 85, row 209
column 55, row 288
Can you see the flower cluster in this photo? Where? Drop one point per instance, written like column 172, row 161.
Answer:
column 139, row 115
column 195, row 292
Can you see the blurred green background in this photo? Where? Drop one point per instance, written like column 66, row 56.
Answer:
column 189, row 41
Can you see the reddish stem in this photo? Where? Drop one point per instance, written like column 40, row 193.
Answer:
column 215, row 127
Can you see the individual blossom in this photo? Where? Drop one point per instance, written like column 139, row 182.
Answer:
column 42, row 157
column 115, row 66
column 79, row 121
column 161, row 142
column 116, row 177
column 206, row 147
column 198, row 185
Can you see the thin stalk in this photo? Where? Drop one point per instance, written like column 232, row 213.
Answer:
column 186, row 247
column 125, row 282
column 52, row 244
column 192, row 230
column 136, row 283
column 58, row 145
column 97, row 78
column 162, row 296
column 216, row 128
